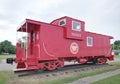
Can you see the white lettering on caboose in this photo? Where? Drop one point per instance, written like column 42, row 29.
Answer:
column 77, row 35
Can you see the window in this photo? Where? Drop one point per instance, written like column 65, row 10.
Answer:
column 32, row 36
column 89, row 41
column 76, row 26
column 62, row 22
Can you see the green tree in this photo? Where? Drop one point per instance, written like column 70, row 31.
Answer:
column 117, row 42
column 7, row 47
column 0, row 48
column 116, row 45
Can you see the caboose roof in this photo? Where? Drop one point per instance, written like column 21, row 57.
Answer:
column 66, row 17
column 29, row 24
column 110, row 37
column 26, row 23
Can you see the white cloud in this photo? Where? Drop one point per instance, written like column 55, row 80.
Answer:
column 101, row 16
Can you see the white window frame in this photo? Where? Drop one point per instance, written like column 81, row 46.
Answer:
column 91, row 41
column 62, row 20
column 79, row 26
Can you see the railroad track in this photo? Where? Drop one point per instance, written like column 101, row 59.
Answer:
column 67, row 69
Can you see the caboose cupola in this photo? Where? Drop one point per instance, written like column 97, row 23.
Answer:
column 74, row 29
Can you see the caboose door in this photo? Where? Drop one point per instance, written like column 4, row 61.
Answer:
column 33, row 46
column 34, row 42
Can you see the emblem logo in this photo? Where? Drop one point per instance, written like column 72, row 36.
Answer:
column 74, row 48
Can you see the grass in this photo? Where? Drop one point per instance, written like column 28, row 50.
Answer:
column 110, row 80
column 76, row 76
column 117, row 56
column 2, row 57
column 117, row 64
column 4, row 75
column 71, row 78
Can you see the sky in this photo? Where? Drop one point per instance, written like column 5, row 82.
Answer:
column 100, row 16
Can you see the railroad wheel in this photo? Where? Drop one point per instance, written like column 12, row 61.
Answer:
column 60, row 64
column 51, row 65
column 82, row 60
column 101, row 60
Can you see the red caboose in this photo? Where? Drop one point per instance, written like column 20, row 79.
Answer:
column 49, row 45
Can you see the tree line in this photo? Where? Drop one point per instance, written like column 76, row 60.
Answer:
column 116, row 45
column 6, row 47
